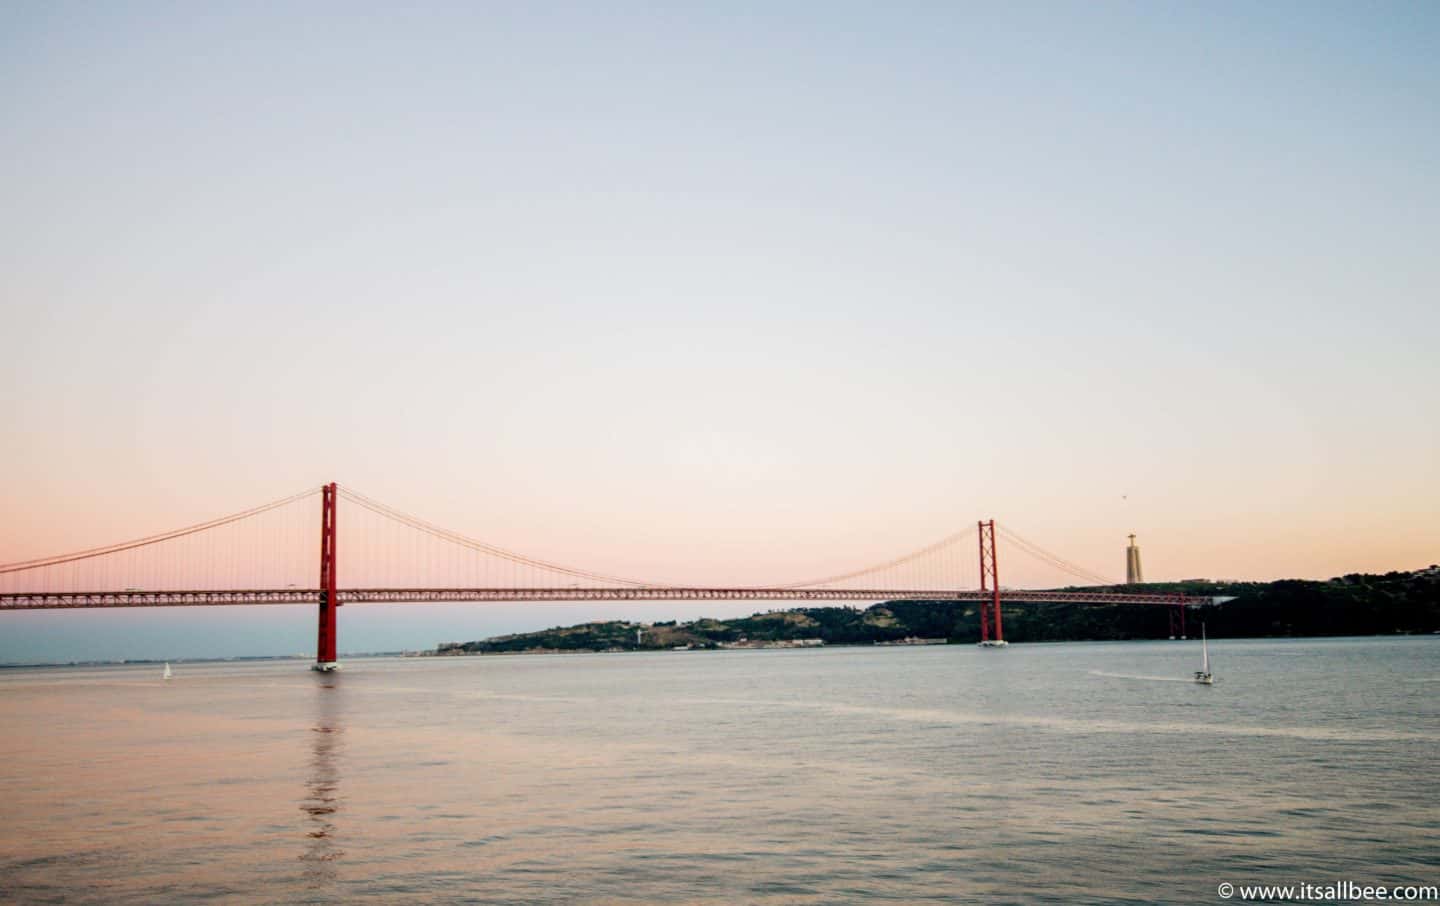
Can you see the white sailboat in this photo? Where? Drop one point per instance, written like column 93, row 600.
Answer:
column 1202, row 676
column 167, row 674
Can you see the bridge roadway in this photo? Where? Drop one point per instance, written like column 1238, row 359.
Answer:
column 140, row 598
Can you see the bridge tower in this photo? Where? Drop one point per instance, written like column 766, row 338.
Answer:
column 989, row 570
column 1177, row 621
column 325, row 660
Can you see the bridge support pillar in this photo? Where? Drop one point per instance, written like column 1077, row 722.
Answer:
column 990, row 617
column 325, row 659
column 1177, row 621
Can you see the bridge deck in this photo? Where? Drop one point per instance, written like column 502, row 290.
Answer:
column 200, row 598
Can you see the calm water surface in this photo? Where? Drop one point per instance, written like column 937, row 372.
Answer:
column 1045, row 773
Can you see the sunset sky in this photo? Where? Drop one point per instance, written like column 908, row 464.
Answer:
column 728, row 292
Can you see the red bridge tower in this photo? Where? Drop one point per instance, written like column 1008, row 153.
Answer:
column 990, row 571
column 325, row 660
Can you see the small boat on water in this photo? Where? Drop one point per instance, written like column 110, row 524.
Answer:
column 1203, row 676
column 167, row 674
column 993, row 643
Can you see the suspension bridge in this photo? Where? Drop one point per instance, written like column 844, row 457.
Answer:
column 265, row 555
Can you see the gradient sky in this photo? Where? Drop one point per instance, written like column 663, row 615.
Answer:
column 731, row 292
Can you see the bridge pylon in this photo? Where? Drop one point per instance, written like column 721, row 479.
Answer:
column 1177, row 621
column 325, row 659
column 990, row 582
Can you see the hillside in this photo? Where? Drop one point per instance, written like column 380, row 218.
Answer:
column 1349, row 605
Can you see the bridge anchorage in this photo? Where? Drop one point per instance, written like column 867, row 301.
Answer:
column 262, row 556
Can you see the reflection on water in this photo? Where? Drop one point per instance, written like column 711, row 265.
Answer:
column 321, row 803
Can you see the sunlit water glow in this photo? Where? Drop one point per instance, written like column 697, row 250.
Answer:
column 1043, row 773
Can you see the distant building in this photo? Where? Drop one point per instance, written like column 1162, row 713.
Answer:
column 1133, row 575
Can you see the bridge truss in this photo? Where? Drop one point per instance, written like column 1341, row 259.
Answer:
column 199, row 598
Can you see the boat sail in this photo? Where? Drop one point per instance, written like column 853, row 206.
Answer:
column 1203, row 676
column 167, row 674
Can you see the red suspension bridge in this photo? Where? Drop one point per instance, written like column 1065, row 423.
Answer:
column 263, row 556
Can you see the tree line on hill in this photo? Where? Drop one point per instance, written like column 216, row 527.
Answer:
column 1357, row 604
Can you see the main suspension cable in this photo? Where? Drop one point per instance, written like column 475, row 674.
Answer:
column 889, row 564
column 1054, row 560
column 443, row 534
column 153, row 539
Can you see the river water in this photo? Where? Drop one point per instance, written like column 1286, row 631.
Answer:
column 1042, row 774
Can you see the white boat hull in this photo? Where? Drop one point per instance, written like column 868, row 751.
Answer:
column 326, row 667
column 993, row 643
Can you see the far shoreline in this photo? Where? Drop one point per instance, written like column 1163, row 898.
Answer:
column 429, row 655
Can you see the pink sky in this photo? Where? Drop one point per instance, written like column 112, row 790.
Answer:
column 650, row 312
